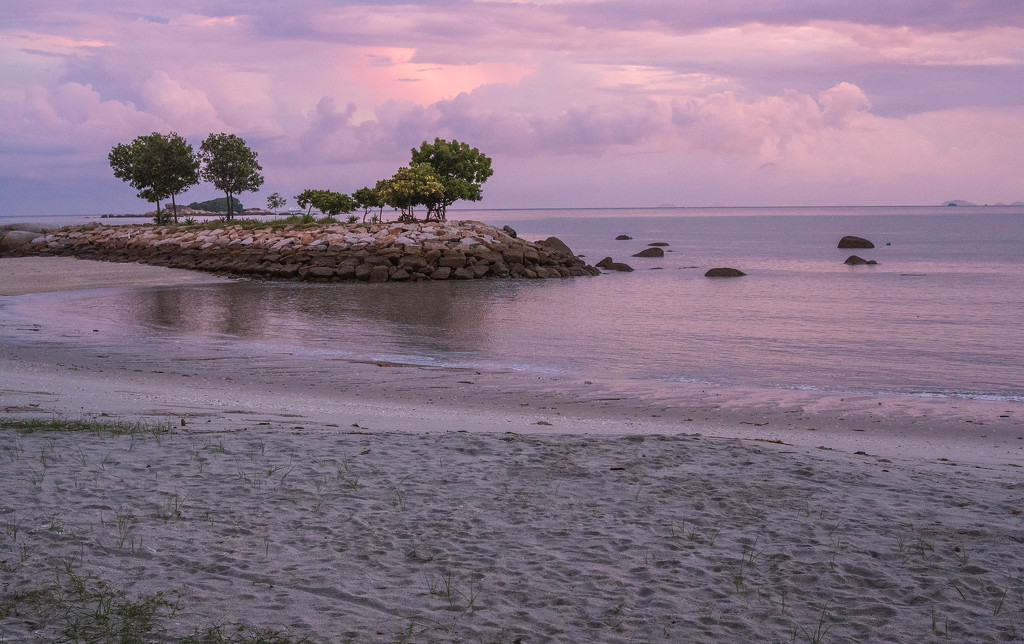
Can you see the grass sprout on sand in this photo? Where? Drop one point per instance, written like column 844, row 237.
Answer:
column 101, row 427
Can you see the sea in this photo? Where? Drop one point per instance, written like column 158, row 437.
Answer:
column 941, row 314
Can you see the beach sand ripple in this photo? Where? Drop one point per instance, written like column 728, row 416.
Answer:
column 455, row 536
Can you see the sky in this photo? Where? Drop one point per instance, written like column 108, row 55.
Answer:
column 580, row 103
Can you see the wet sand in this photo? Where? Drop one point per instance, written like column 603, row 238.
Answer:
column 376, row 503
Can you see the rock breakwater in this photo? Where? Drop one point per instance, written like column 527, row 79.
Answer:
column 379, row 253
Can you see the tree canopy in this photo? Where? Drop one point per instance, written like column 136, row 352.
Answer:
column 159, row 166
column 460, row 169
column 230, row 166
column 326, row 201
column 413, row 186
column 368, row 199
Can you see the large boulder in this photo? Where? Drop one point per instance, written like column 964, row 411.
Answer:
column 619, row 266
column 557, row 245
column 650, row 252
column 31, row 227
column 854, row 242
column 724, row 272
column 854, row 260
column 11, row 239
column 605, row 263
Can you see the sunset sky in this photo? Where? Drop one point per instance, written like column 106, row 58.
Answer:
column 586, row 103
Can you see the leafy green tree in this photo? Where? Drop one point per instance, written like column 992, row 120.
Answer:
column 326, row 201
column 413, row 186
column 369, row 199
column 276, row 201
column 305, row 199
column 159, row 166
column 230, row 165
column 333, row 203
column 461, row 170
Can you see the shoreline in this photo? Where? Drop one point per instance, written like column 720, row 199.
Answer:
column 375, row 504
column 985, row 432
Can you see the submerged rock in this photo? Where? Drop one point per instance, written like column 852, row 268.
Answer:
column 854, row 260
column 650, row 252
column 724, row 272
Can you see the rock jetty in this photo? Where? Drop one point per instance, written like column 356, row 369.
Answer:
column 378, row 253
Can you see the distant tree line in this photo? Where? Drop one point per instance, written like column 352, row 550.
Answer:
column 220, row 204
column 162, row 166
column 439, row 174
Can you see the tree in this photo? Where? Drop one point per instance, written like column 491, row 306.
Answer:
column 413, row 186
column 276, row 201
column 230, row 165
column 158, row 166
column 461, row 170
column 326, row 201
column 333, row 203
column 368, row 199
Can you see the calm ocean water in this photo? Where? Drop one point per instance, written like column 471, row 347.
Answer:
column 941, row 314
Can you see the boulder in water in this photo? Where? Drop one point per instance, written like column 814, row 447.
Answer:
column 724, row 272
column 854, row 260
column 623, row 238
column 854, row 242
column 650, row 252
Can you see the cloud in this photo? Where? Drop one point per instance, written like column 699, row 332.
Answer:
column 186, row 109
column 723, row 101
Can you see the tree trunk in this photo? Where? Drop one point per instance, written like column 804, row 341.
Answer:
column 159, row 217
column 231, row 205
column 174, row 207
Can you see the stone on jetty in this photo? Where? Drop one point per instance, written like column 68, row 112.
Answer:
column 372, row 253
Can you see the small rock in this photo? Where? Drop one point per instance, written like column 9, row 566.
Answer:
column 619, row 266
column 623, row 238
column 854, row 260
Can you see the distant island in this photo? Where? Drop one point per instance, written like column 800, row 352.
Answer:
column 959, row 202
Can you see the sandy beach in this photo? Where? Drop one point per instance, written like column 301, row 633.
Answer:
column 402, row 503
